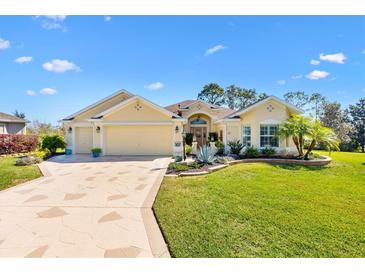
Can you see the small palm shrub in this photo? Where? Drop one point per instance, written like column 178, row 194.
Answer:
column 220, row 147
column 252, row 152
column 268, row 151
column 206, row 154
column 53, row 142
column 188, row 149
column 235, row 147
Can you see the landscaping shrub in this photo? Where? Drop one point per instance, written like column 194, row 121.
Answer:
column 268, row 151
column 42, row 154
column 252, row 152
column 53, row 142
column 12, row 143
column 189, row 139
column 220, row 147
column 184, row 166
column 188, row 149
column 235, row 146
column 349, row 147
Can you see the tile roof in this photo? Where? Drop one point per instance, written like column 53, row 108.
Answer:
column 180, row 105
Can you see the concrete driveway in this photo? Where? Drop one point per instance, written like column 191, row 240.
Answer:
column 85, row 207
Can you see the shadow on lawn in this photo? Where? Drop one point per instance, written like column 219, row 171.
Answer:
column 300, row 167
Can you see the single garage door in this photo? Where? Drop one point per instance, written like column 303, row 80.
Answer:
column 138, row 140
column 84, row 139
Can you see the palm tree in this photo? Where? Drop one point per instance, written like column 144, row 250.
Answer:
column 318, row 133
column 299, row 128
column 296, row 127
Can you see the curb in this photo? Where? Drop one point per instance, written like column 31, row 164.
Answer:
column 325, row 160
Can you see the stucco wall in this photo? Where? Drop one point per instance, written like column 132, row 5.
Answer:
column 262, row 115
column 102, row 107
column 137, row 111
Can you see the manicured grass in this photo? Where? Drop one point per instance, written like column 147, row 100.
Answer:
column 11, row 175
column 262, row 210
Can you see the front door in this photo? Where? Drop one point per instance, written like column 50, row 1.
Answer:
column 200, row 134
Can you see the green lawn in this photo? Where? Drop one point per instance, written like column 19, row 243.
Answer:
column 262, row 210
column 11, row 175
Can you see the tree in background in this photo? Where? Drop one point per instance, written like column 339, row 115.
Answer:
column 41, row 128
column 357, row 113
column 316, row 103
column 338, row 120
column 18, row 114
column 307, row 102
column 298, row 99
column 213, row 94
column 239, row 98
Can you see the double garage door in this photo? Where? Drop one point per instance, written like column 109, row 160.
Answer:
column 138, row 140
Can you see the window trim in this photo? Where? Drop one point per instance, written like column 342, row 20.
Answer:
column 244, row 135
column 5, row 129
column 269, row 135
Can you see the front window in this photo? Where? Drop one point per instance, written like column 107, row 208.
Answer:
column 198, row 121
column 269, row 136
column 246, row 136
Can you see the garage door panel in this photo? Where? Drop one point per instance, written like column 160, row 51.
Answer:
column 84, row 139
column 138, row 140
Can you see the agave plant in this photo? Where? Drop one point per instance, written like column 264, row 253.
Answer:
column 206, row 154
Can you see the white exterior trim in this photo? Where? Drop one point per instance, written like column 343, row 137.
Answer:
column 270, row 122
column 137, row 123
column 132, row 99
column 98, row 103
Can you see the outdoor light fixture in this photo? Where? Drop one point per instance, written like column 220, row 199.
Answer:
column 97, row 129
column 69, row 129
column 177, row 129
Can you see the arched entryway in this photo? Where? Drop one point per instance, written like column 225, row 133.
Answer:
column 199, row 125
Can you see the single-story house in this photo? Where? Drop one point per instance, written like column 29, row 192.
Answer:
column 10, row 124
column 127, row 124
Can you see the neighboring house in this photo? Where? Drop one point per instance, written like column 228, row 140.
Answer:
column 10, row 124
column 127, row 124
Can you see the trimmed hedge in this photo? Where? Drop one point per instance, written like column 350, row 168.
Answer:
column 12, row 143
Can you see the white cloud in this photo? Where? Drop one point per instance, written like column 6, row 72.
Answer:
column 154, row 86
column 214, row 49
column 296, row 77
column 281, row 82
column 317, row 74
column 30, row 93
column 107, row 18
column 52, row 22
column 60, row 66
column 56, row 17
column 23, row 59
column 48, row 91
column 338, row 58
column 315, row 62
column 4, row 44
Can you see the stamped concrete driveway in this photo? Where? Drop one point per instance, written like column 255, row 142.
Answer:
column 85, row 207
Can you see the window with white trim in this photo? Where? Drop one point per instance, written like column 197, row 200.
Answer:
column 2, row 129
column 246, row 136
column 269, row 136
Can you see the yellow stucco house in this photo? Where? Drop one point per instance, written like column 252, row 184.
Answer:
column 128, row 124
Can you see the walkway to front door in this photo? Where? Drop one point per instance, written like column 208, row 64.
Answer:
column 200, row 134
column 85, row 207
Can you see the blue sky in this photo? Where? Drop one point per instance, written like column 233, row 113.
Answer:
column 77, row 60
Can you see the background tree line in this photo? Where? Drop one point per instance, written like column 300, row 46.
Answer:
column 348, row 124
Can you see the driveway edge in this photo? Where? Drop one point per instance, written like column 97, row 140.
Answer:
column 156, row 240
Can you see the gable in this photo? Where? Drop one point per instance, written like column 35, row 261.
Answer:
column 270, row 112
column 105, row 104
column 136, row 110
